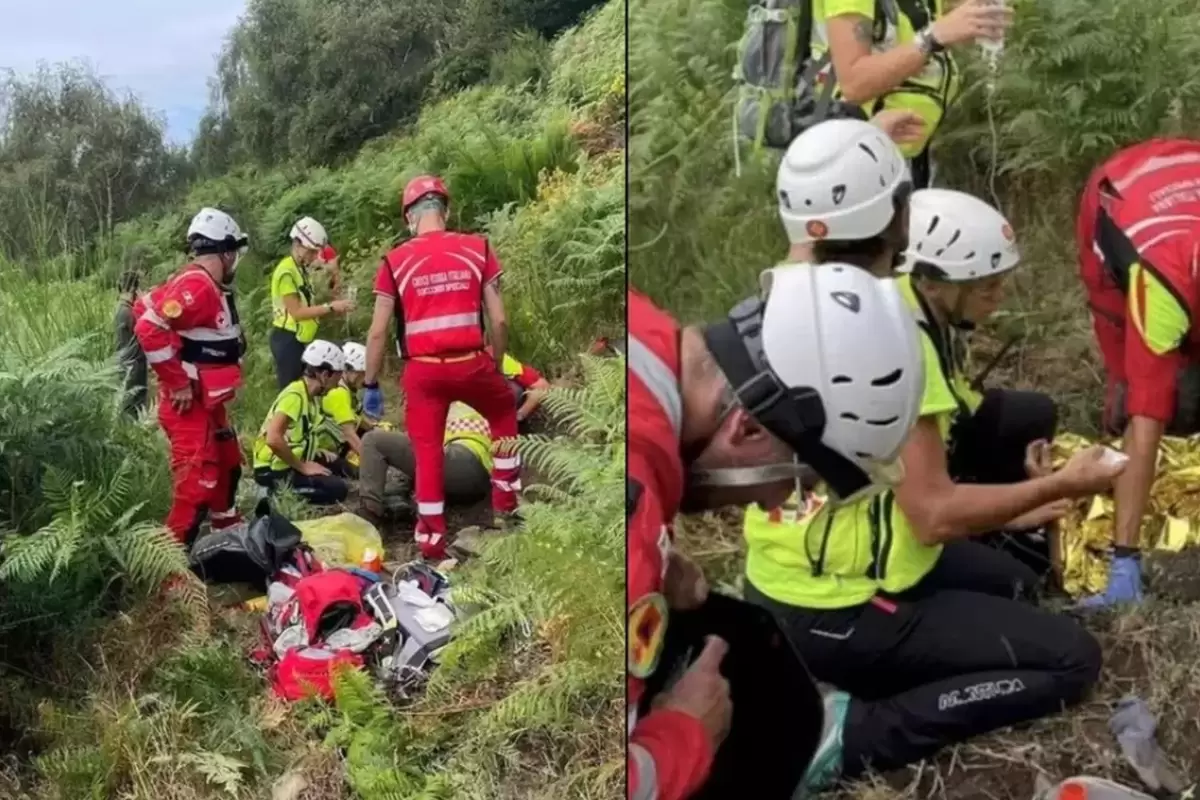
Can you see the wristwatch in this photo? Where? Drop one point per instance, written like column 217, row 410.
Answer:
column 927, row 43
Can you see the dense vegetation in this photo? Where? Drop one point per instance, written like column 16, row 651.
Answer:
column 110, row 693
column 1078, row 79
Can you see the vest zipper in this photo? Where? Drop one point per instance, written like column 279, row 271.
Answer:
column 886, row 504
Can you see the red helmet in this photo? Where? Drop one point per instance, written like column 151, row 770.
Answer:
column 419, row 187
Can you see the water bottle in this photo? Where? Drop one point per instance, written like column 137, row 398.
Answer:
column 992, row 47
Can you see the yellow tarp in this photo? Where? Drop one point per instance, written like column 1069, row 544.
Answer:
column 341, row 540
column 1171, row 522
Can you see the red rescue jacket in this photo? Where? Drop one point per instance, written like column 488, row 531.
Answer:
column 670, row 754
column 437, row 281
column 188, row 327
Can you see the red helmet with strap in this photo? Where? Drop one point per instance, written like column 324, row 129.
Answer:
column 419, row 187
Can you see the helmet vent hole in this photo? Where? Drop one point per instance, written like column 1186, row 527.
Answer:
column 969, row 255
column 861, row 454
column 849, row 416
column 940, row 250
column 933, row 223
column 808, row 202
column 839, row 194
column 889, row 379
column 841, row 379
column 784, row 200
column 883, row 423
column 869, row 152
column 954, row 238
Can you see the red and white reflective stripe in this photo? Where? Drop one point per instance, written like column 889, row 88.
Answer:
column 442, row 323
column 507, row 486
column 1152, row 165
column 1141, row 225
column 431, row 509
column 426, row 537
column 211, row 334
column 403, row 272
column 659, row 379
column 160, row 355
column 190, row 370
column 647, row 774
column 512, row 462
column 154, row 319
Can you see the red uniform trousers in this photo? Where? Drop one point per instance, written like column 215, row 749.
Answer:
column 206, row 465
column 429, row 390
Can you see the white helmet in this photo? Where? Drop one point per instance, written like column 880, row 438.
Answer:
column 323, row 354
column 954, row 236
column 839, row 180
column 831, row 363
column 356, row 356
column 310, row 233
column 214, row 231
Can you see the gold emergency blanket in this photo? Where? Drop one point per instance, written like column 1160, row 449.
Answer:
column 1171, row 522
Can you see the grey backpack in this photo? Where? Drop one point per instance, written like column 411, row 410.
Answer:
column 776, row 75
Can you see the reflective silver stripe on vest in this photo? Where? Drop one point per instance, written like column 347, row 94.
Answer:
column 442, row 323
column 1152, row 165
column 647, row 774
column 659, row 379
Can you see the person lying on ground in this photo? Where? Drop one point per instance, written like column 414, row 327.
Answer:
column 696, row 442
column 344, row 423
column 929, row 636
column 296, row 313
column 286, row 452
column 893, row 56
column 467, row 443
column 842, row 188
column 1137, row 234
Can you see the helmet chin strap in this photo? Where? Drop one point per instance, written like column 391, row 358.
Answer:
column 744, row 476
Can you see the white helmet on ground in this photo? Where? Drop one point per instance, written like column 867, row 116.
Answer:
column 324, row 355
column 356, row 356
column 309, row 233
column 954, row 236
column 831, row 363
column 839, row 180
column 214, row 231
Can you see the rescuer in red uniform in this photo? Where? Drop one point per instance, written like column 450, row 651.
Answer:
column 188, row 328
column 1138, row 235
column 438, row 286
column 826, row 369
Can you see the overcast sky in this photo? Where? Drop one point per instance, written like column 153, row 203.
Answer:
column 164, row 51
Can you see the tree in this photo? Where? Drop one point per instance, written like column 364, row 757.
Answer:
column 75, row 160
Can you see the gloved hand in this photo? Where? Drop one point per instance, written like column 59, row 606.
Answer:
column 373, row 402
column 1124, row 585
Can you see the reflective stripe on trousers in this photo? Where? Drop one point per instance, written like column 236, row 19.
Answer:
column 647, row 774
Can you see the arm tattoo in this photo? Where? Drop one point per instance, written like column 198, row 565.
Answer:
column 864, row 31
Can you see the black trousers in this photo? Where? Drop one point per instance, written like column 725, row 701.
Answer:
column 989, row 447
column 320, row 490
column 287, row 352
column 963, row 653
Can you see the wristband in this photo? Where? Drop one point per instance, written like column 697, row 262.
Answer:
column 927, row 43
